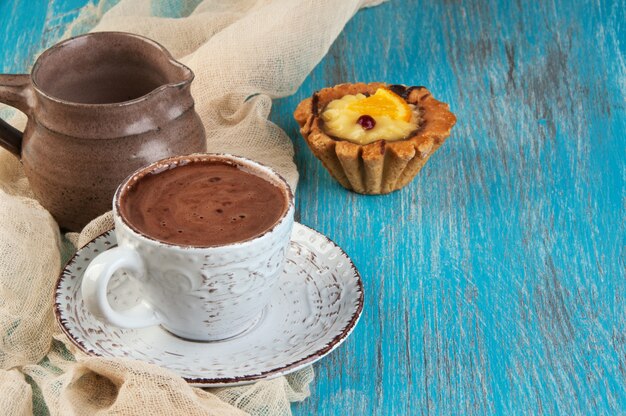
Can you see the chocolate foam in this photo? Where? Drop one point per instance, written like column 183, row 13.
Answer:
column 202, row 203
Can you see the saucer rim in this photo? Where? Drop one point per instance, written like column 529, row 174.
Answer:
column 228, row 381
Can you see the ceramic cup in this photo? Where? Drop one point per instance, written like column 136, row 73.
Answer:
column 198, row 293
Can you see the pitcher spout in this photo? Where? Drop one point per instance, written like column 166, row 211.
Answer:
column 182, row 73
column 178, row 75
column 110, row 84
column 107, row 69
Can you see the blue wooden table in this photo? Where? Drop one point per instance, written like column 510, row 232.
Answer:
column 495, row 282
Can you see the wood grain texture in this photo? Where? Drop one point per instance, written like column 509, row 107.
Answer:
column 495, row 282
column 27, row 27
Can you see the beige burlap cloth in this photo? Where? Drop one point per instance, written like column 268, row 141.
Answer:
column 237, row 49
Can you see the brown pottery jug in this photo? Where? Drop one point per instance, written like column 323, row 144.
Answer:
column 99, row 107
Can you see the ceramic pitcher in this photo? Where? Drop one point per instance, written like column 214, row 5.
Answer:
column 99, row 107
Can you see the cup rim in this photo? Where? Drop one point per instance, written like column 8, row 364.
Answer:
column 155, row 91
column 239, row 160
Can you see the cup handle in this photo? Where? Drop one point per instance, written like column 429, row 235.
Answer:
column 16, row 91
column 96, row 280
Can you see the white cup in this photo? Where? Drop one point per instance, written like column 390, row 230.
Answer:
column 198, row 293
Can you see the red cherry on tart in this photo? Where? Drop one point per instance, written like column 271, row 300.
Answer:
column 367, row 122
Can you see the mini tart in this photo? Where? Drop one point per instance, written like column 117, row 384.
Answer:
column 382, row 166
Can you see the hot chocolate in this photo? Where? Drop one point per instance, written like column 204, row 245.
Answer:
column 174, row 222
column 202, row 203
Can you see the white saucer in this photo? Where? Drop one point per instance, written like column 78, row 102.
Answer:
column 316, row 306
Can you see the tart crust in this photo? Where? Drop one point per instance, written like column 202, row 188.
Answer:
column 382, row 166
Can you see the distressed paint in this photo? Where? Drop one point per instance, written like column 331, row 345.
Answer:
column 494, row 283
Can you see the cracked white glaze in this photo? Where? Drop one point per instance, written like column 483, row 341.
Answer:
column 316, row 305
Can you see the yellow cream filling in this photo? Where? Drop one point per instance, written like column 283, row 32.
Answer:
column 341, row 121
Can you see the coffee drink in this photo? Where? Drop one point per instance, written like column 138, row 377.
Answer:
column 205, row 238
column 202, row 203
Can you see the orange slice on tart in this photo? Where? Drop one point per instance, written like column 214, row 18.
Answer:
column 383, row 103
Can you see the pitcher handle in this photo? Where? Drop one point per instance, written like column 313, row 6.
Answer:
column 16, row 91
